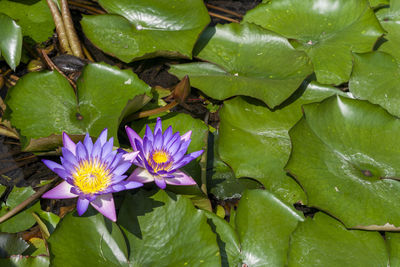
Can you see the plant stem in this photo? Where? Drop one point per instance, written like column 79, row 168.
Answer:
column 148, row 113
column 88, row 8
column 224, row 10
column 60, row 28
column 203, row 160
column 70, row 30
column 222, row 17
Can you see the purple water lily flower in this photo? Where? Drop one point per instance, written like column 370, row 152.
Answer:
column 160, row 156
column 92, row 172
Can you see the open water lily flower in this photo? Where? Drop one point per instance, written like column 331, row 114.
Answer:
column 160, row 156
column 92, row 172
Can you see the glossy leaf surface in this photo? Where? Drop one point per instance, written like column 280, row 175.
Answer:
column 246, row 60
column 393, row 243
column 11, row 244
column 389, row 18
column 166, row 230
column 44, row 104
column 10, row 40
column 23, row 261
column 327, row 30
column 137, row 29
column 248, row 124
column 345, row 154
column 264, row 224
column 324, row 241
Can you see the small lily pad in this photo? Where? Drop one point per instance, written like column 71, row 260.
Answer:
column 327, row 30
column 10, row 41
column 345, row 154
column 142, row 29
column 246, row 60
column 44, row 104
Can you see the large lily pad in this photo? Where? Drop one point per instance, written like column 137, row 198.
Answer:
column 166, row 230
column 246, row 60
column 44, row 104
column 10, row 41
column 323, row 241
column 246, row 123
column 24, row 261
column 390, row 21
column 264, row 224
column 376, row 78
column 345, row 154
column 33, row 16
column 91, row 240
column 393, row 242
column 327, row 30
column 143, row 29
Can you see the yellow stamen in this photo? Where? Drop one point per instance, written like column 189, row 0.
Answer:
column 160, row 156
column 91, row 176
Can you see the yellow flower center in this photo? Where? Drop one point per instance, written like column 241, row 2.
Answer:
column 91, row 176
column 160, row 157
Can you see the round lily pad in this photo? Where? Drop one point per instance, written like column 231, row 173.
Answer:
column 327, row 30
column 324, row 241
column 44, row 104
column 246, row 124
column 246, row 60
column 142, row 29
column 345, row 154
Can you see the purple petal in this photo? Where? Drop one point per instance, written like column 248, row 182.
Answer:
column 130, row 156
column 180, row 178
column 61, row 191
column 96, row 151
column 81, row 152
column 149, row 133
column 176, row 137
column 182, row 151
column 131, row 184
column 158, row 140
column 107, row 148
column 88, row 144
column 102, row 137
column 52, row 165
column 116, row 161
column 122, row 168
column 132, row 135
column 105, row 205
column 68, row 143
column 188, row 158
column 82, row 205
column 69, row 156
column 110, row 158
column 186, row 136
column 141, row 175
column 174, row 147
column 160, row 183
column 158, row 127
column 147, row 146
column 167, row 135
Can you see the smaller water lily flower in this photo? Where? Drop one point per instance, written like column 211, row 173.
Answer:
column 92, row 172
column 160, row 156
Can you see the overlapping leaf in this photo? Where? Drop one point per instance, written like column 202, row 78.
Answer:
column 166, row 230
column 323, row 241
column 393, row 243
column 327, row 30
column 10, row 41
column 376, row 78
column 345, row 154
column 255, row 142
column 390, row 19
column 246, row 60
column 44, row 104
column 143, row 29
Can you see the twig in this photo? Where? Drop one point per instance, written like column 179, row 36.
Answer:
column 53, row 67
column 87, row 53
column 203, row 160
column 148, row 113
column 60, row 28
column 70, row 30
column 224, row 10
column 222, row 17
column 24, row 203
column 89, row 8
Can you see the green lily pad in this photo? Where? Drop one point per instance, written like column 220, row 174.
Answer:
column 135, row 29
column 10, row 41
column 390, row 19
column 323, row 241
column 11, row 244
column 264, row 224
column 345, row 154
column 166, row 230
column 246, row 123
column 375, row 78
column 44, row 104
column 24, row 261
column 227, row 238
column 375, row 3
column 90, row 240
column 393, row 243
column 33, row 16
column 327, row 30
column 246, row 60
